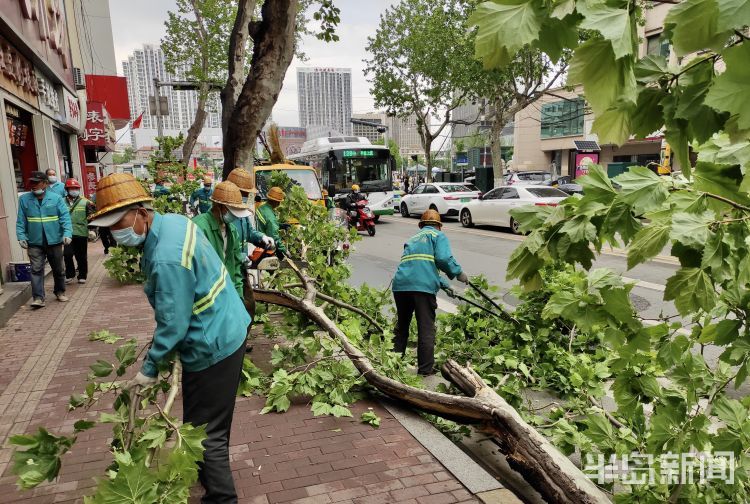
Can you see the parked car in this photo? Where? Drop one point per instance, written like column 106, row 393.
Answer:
column 445, row 197
column 566, row 185
column 494, row 207
column 527, row 177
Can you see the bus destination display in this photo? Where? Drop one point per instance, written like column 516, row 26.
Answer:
column 350, row 153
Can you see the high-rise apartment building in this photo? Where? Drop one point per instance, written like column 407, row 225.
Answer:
column 325, row 99
column 139, row 70
column 403, row 130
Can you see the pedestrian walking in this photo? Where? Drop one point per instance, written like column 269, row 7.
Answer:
column 80, row 208
column 43, row 226
column 202, row 197
column 197, row 313
column 266, row 220
column 416, row 283
column 243, row 179
column 53, row 183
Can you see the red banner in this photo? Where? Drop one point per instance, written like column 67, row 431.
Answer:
column 89, row 181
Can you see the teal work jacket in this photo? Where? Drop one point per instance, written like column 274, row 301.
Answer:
column 426, row 254
column 49, row 217
column 203, row 197
column 57, row 188
column 247, row 233
column 197, row 310
column 268, row 224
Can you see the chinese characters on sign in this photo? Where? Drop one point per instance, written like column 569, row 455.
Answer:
column 95, row 133
column 667, row 469
column 17, row 71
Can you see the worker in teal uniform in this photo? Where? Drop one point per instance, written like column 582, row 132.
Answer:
column 198, row 313
column 43, row 227
column 243, row 179
column 54, row 185
column 416, row 283
column 202, row 196
column 266, row 220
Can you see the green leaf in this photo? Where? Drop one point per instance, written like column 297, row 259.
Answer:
column 691, row 289
column 505, row 26
column 599, row 430
column 155, row 437
column 695, row 26
column 126, row 353
column 117, row 417
column 730, row 90
column 731, row 412
column 340, row 411
column 524, row 266
column 606, row 80
column 555, row 36
column 650, row 69
column 563, row 8
column 101, row 368
column 620, row 221
column 723, row 333
column 597, row 186
column 321, row 408
column 612, row 23
column 82, row 425
column 642, row 189
column 104, row 336
column 614, row 126
column 617, row 304
column 76, row 401
column 579, row 229
column 370, row 417
column 692, row 229
column 648, row 117
column 721, row 180
column 192, row 441
column 134, row 484
column 733, row 14
column 648, row 242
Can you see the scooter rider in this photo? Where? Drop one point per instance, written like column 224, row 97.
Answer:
column 351, row 200
column 416, row 283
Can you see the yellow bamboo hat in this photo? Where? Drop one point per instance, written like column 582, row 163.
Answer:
column 114, row 193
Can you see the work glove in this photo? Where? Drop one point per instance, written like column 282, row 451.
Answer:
column 140, row 380
column 268, row 242
column 67, row 240
column 24, row 244
column 450, row 292
column 463, row 277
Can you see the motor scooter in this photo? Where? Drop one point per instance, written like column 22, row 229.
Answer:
column 362, row 218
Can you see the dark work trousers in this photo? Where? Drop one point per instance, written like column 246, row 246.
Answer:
column 37, row 256
column 424, row 305
column 208, row 399
column 107, row 239
column 78, row 249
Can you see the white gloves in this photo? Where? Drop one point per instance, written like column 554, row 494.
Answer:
column 268, row 242
column 23, row 243
column 140, row 380
column 463, row 277
column 67, row 240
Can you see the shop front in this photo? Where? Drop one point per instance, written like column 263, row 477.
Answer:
column 41, row 112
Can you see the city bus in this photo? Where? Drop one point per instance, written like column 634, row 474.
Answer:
column 347, row 160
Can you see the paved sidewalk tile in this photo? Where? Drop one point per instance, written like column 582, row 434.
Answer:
column 276, row 458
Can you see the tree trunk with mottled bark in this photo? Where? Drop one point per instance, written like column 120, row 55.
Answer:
column 237, row 55
column 195, row 129
column 273, row 49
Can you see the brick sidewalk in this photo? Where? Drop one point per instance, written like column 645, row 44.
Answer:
column 291, row 457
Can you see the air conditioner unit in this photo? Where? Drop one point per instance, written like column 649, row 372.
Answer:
column 79, row 78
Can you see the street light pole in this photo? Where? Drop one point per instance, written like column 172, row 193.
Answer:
column 157, row 101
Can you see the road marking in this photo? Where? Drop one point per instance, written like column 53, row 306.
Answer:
column 645, row 285
column 611, row 251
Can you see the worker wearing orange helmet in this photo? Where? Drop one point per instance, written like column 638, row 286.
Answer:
column 416, row 283
column 266, row 220
column 80, row 208
column 202, row 197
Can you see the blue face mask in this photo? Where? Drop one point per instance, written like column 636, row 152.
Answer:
column 52, row 179
column 74, row 194
column 128, row 237
column 228, row 217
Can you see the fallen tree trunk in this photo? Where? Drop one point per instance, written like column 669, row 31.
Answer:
column 550, row 472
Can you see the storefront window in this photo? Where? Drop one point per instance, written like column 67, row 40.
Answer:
column 563, row 118
column 657, row 46
column 21, row 140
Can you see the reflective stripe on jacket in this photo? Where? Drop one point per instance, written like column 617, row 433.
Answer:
column 425, row 255
column 230, row 254
column 50, row 214
column 197, row 311
column 79, row 210
column 268, row 224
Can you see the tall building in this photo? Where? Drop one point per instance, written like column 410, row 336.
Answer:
column 403, row 130
column 140, row 70
column 325, row 99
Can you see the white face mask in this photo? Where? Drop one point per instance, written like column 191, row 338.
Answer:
column 52, row 179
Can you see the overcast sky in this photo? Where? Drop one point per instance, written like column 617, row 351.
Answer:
column 138, row 22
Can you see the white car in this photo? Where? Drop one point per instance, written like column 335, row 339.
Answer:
column 445, row 197
column 494, row 207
